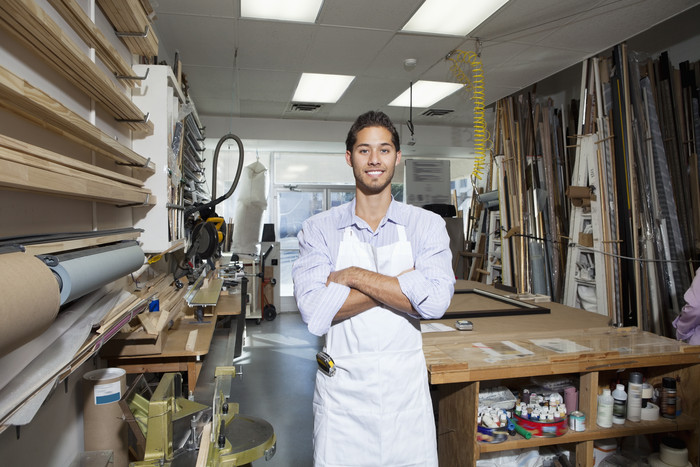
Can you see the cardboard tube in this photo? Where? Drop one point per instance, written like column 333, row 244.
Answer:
column 30, row 299
column 103, row 420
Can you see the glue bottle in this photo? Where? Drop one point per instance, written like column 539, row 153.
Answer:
column 604, row 418
column 619, row 404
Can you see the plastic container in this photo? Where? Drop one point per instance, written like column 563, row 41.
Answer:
column 604, row 417
column 634, row 397
column 603, row 448
column 619, row 404
column 668, row 397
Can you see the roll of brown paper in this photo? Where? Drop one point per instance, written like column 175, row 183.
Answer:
column 30, row 299
column 103, row 420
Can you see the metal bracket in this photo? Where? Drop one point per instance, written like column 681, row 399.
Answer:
column 135, row 120
column 141, row 78
column 133, row 34
column 130, row 164
column 145, row 203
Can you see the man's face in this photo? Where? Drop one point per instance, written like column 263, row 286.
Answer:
column 373, row 159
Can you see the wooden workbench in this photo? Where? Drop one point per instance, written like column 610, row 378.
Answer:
column 174, row 356
column 596, row 357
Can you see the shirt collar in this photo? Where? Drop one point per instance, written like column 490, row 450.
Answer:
column 394, row 214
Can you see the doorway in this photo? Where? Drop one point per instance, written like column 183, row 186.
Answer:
column 294, row 205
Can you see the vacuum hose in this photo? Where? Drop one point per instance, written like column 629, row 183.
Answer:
column 190, row 211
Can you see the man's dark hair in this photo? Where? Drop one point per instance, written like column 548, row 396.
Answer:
column 370, row 119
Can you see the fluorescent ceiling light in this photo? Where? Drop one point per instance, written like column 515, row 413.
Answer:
column 425, row 93
column 326, row 89
column 452, row 17
column 304, row 11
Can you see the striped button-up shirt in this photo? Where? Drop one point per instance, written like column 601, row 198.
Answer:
column 429, row 287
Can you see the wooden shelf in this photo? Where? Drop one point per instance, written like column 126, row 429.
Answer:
column 568, row 341
column 74, row 15
column 22, row 98
column 33, row 27
column 31, row 168
column 129, row 17
column 662, row 425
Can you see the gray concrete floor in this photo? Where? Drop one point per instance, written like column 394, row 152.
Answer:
column 275, row 381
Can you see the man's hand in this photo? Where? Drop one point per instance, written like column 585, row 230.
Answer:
column 368, row 289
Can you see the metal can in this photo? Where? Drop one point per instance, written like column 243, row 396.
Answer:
column 577, row 421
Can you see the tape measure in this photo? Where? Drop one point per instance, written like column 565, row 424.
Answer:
column 325, row 363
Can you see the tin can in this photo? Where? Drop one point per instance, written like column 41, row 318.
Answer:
column 577, row 421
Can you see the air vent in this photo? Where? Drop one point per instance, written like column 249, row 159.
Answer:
column 436, row 112
column 301, row 107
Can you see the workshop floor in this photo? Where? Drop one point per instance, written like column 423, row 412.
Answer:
column 278, row 366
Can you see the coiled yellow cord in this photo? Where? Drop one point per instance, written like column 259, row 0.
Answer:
column 460, row 59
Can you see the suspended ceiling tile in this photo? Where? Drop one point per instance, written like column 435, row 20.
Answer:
column 530, row 21
column 269, row 45
column 329, row 51
column 535, row 65
column 275, row 86
column 212, row 45
column 388, row 15
column 215, row 8
column 608, row 26
column 262, row 109
column 426, row 49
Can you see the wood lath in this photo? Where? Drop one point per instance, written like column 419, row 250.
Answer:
column 33, row 27
column 74, row 15
column 129, row 19
column 24, row 170
column 35, row 105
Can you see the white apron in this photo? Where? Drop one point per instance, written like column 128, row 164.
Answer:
column 376, row 409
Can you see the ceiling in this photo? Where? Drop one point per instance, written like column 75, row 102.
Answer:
column 250, row 68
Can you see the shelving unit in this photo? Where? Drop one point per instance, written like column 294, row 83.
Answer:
column 33, row 27
column 458, row 369
column 175, row 147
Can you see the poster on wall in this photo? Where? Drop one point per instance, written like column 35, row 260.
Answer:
column 427, row 182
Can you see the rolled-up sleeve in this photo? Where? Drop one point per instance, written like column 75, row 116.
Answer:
column 317, row 302
column 430, row 286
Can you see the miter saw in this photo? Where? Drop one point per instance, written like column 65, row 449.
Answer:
column 203, row 235
column 173, row 431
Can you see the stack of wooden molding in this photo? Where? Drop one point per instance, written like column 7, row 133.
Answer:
column 74, row 15
column 33, row 27
column 35, row 105
column 633, row 140
column 31, row 168
column 132, row 17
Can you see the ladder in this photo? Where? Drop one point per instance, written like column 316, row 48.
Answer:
column 587, row 273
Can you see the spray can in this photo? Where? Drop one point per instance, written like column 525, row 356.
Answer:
column 619, row 404
column 634, row 397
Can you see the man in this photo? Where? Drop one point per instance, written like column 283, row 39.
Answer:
column 367, row 271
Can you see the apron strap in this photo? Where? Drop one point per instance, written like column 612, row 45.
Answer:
column 401, row 230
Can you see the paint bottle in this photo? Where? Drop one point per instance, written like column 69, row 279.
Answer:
column 619, row 404
column 605, row 409
column 634, row 397
column 668, row 397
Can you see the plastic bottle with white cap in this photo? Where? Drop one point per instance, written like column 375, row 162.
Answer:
column 619, row 404
column 605, row 409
